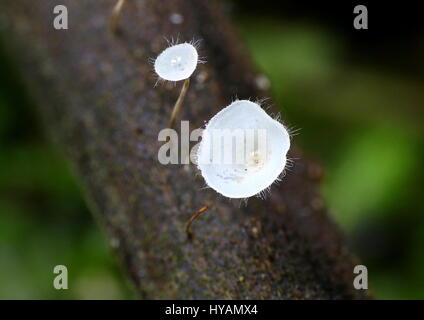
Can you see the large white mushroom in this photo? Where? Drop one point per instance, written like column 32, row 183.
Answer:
column 243, row 150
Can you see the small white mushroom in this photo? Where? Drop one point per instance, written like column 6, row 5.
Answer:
column 177, row 62
column 243, row 150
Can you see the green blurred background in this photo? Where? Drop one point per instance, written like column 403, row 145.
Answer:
column 358, row 102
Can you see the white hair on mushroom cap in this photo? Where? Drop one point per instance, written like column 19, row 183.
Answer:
column 256, row 160
column 177, row 62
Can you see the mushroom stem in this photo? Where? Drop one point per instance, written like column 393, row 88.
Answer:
column 194, row 217
column 178, row 104
column 115, row 15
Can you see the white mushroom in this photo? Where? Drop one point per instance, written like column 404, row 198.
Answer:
column 177, row 62
column 243, row 150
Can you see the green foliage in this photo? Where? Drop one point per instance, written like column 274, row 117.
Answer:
column 361, row 123
column 44, row 221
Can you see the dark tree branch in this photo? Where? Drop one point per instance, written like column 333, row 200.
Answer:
column 96, row 94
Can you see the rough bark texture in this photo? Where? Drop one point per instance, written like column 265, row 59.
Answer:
column 96, row 94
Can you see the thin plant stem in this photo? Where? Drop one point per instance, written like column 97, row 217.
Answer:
column 179, row 103
column 194, row 217
column 114, row 18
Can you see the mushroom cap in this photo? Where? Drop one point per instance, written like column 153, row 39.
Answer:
column 177, row 62
column 242, row 167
